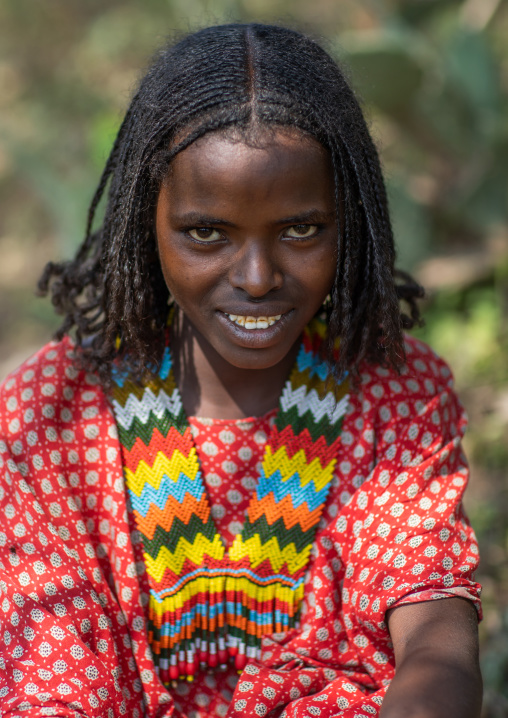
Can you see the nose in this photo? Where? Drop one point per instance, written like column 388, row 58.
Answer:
column 255, row 269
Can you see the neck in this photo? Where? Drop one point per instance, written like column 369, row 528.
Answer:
column 213, row 388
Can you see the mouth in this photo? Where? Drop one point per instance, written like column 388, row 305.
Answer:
column 256, row 332
column 251, row 323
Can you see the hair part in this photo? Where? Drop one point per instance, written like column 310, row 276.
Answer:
column 240, row 79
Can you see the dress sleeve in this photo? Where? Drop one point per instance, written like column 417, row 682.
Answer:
column 66, row 645
column 48, row 656
column 401, row 536
column 408, row 538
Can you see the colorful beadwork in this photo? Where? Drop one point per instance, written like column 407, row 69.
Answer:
column 207, row 604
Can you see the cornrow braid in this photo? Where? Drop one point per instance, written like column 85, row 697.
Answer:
column 239, row 78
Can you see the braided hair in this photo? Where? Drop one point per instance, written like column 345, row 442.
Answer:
column 232, row 77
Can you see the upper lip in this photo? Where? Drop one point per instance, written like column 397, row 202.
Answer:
column 256, row 314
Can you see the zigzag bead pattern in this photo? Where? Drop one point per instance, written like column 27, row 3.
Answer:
column 208, row 605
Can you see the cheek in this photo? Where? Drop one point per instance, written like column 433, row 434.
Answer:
column 190, row 279
column 320, row 275
column 176, row 273
column 181, row 287
column 175, row 266
column 167, row 264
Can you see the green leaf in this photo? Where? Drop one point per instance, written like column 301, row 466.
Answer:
column 411, row 226
column 485, row 204
column 471, row 65
column 101, row 135
column 386, row 68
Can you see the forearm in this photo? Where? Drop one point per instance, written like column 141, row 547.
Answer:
column 437, row 673
column 430, row 686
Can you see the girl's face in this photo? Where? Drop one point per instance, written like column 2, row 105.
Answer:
column 247, row 240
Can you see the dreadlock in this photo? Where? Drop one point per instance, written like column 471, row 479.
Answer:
column 236, row 77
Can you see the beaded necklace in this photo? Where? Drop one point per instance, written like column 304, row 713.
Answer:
column 207, row 604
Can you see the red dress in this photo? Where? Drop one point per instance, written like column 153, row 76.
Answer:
column 73, row 587
column 229, row 453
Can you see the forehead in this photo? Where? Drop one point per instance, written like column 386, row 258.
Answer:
column 280, row 166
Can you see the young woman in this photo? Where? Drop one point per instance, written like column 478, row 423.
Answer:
column 239, row 465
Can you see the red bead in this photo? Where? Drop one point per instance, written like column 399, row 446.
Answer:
column 223, row 656
column 240, row 661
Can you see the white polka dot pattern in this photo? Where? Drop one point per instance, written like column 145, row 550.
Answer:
column 73, row 591
column 230, row 467
column 72, row 607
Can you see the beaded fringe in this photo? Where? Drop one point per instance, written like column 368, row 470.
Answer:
column 213, row 619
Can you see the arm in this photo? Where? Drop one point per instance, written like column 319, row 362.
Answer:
column 70, row 643
column 436, row 653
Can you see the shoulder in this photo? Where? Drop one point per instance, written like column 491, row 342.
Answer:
column 423, row 370
column 51, row 367
column 424, row 373
column 48, row 386
column 396, row 404
column 423, row 362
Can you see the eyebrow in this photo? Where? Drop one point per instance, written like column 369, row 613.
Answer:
column 314, row 216
column 204, row 220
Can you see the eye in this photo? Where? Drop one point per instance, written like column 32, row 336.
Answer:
column 301, row 231
column 204, row 234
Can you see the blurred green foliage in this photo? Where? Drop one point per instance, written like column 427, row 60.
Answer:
column 433, row 75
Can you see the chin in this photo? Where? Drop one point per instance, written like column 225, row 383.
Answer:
column 259, row 359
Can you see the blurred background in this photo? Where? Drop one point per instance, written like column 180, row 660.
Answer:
column 433, row 77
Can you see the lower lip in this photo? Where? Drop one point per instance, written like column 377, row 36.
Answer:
column 256, row 337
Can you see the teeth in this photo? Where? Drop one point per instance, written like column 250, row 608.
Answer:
column 254, row 322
